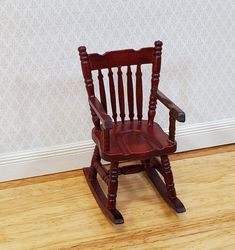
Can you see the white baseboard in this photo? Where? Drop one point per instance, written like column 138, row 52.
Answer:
column 47, row 161
column 204, row 135
column 74, row 156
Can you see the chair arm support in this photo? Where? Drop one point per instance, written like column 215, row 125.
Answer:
column 175, row 111
column 100, row 112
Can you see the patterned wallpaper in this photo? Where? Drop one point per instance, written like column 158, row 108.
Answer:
column 42, row 98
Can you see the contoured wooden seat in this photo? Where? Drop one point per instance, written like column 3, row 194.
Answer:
column 129, row 139
column 134, row 139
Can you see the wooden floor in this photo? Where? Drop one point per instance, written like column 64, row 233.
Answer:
column 59, row 212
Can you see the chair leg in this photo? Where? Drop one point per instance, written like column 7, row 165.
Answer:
column 168, row 177
column 167, row 189
column 95, row 159
column 107, row 204
column 112, row 186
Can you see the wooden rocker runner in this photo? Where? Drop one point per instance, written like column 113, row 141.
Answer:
column 135, row 139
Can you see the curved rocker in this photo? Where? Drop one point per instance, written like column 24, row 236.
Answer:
column 167, row 191
column 113, row 214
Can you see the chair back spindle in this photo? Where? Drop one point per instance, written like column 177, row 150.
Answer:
column 121, row 94
column 139, row 92
column 112, row 95
column 102, row 90
column 130, row 93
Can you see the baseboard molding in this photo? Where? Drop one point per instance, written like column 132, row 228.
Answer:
column 74, row 156
column 204, row 135
column 46, row 161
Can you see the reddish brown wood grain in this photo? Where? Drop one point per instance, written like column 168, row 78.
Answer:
column 121, row 58
column 112, row 95
column 139, row 92
column 130, row 93
column 134, row 141
column 155, row 80
column 129, row 140
column 121, row 94
column 102, row 90
column 98, row 109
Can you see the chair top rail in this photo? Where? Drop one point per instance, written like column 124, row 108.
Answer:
column 121, row 58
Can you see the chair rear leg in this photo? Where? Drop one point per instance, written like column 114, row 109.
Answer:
column 95, row 159
column 112, row 186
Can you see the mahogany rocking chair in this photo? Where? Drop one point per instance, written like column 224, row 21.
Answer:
column 132, row 139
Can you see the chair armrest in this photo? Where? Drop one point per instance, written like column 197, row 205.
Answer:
column 175, row 111
column 100, row 112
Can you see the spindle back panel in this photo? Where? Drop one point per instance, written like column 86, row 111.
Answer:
column 116, row 69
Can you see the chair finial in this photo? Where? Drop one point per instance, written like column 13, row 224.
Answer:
column 82, row 49
column 83, row 54
column 158, row 48
column 158, row 44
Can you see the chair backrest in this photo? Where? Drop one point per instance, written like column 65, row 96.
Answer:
column 120, row 59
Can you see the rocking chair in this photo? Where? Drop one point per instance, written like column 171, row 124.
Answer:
column 132, row 139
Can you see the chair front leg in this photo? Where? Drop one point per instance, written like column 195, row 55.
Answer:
column 168, row 177
column 165, row 188
column 112, row 186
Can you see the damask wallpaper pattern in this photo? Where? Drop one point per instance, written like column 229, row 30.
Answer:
column 42, row 98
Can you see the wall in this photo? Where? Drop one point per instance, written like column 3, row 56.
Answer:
column 43, row 104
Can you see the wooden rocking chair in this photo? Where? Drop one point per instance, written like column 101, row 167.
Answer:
column 133, row 139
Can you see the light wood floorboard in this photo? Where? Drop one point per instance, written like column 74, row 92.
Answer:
column 59, row 212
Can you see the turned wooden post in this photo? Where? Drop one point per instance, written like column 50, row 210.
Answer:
column 130, row 93
column 112, row 95
column 121, row 95
column 155, row 81
column 139, row 92
column 168, row 177
column 106, row 139
column 172, row 121
column 112, row 185
column 86, row 70
column 93, row 168
column 102, row 90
